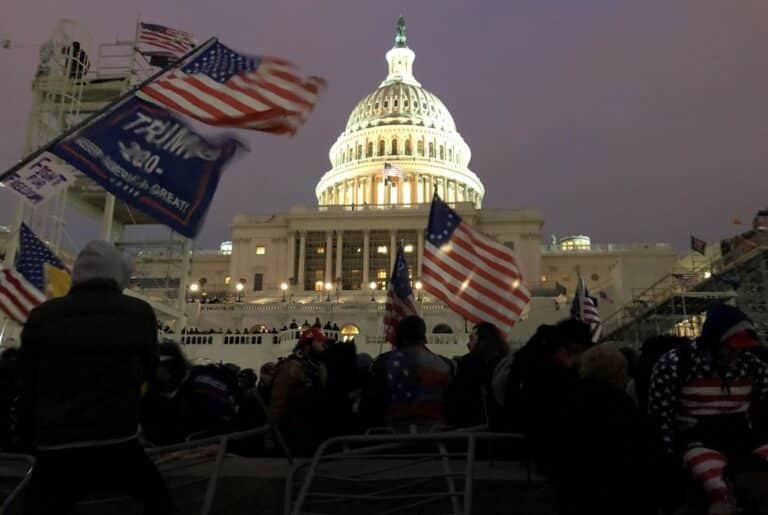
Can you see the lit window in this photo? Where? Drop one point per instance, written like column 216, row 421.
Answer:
column 319, row 285
column 408, row 248
column 320, row 250
column 381, row 249
column 227, row 280
column 543, row 278
column 358, row 250
column 260, row 250
column 226, row 247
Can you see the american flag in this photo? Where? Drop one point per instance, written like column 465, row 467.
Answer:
column 392, row 171
column 22, row 288
column 159, row 41
column 399, row 297
column 473, row 274
column 584, row 308
column 223, row 87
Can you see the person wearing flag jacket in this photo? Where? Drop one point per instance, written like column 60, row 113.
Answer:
column 702, row 399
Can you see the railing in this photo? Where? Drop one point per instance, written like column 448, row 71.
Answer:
column 312, row 307
column 289, row 338
column 387, row 474
column 386, row 207
column 25, row 464
column 670, row 285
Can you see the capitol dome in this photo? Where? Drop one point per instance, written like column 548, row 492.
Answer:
column 400, row 143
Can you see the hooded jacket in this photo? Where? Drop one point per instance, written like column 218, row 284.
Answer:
column 687, row 389
column 85, row 356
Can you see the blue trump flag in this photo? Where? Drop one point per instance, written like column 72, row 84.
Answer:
column 149, row 158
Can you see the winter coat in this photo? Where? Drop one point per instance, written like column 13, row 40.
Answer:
column 84, row 358
column 470, row 401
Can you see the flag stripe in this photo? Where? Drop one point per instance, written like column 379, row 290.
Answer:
column 457, row 276
column 491, row 251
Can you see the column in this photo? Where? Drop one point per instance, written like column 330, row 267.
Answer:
column 414, row 188
column 302, row 254
column 372, row 190
column 339, row 246
column 392, row 249
column 328, row 256
column 419, row 251
column 366, row 257
column 291, row 256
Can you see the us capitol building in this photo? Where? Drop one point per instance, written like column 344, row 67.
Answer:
column 333, row 261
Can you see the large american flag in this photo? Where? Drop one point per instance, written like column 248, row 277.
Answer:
column 391, row 170
column 399, row 297
column 584, row 308
column 22, row 288
column 156, row 40
column 473, row 274
column 222, row 87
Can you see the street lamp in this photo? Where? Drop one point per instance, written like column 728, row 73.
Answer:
column 284, row 287
column 418, row 287
column 194, row 287
column 372, row 287
column 239, row 287
column 328, row 288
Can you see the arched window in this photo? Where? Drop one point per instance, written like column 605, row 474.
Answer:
column 408, row 149
column 349, row 154
column 343, row 157
column 450, row 154
column 420, row 147
column 381, row 147
column 442, row 152
column 442, row 329
column 359, row 151
column 431, row 149
column 394, row 147
column 369, row 149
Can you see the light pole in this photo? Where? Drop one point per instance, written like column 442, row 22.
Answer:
column 372, row 287
column 328, row 288
column 239, row 287
column 284, row 287
column 418, row 287
column 193, row 289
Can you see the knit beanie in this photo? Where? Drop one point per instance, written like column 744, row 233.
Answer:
column 101, row 260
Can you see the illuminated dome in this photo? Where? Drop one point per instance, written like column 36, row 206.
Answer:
column 407, row 129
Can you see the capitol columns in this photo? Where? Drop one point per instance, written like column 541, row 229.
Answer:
column 419, row 251
column 328, row 256
column 366, row 256
column 302, row 256
column 392, row 248
column 339, row 246
column 291, row 256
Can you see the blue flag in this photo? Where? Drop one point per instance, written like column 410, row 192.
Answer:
column 149, row 158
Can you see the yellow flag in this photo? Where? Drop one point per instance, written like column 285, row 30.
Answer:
column 57, row 281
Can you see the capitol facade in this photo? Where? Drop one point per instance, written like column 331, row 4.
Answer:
column 333, row 261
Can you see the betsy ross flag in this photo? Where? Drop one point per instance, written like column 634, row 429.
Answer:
column 38, row 274
column 698, row 245
column 399, row 297
column 223, row 87
column 392, row 171
column 584, row 308
column 158, row 41
column 471, row 273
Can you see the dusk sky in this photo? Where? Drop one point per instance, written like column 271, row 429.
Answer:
column 643, row 120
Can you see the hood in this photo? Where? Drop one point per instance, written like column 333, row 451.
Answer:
column 723, row 321
column 101, row 260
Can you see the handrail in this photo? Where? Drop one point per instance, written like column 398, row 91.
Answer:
column 668, row 285
column 24, row 458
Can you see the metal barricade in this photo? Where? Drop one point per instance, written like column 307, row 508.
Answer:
column 388, row 474
column 14, row 466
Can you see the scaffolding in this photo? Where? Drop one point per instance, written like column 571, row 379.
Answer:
column 67, row 89
column 677, row 303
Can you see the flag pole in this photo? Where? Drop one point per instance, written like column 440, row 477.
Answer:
column 107, row 109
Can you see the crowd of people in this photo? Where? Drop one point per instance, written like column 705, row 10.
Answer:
column 679, row 423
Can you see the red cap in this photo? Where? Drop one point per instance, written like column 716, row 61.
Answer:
column 742, row 340
column 314, row 333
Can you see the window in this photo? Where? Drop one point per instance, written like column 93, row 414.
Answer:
column 442, row 329
column 378, row 257
column 395, row 102
column 394, row 147
column 420, row 147
column 442, row 152
column 381, row 147
column 260, row 250
column 314, row 262
column 352, row 260
column 225, row 248
column 386, row 104
column 258, row 282
column 227, row 280
column 359, row 151
column 431, row 149
column 405, row 103
column 320, row 250
column 408, row 149
column 450, row 154
column 408, row 249
column 381, row 249
column 369, row 149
